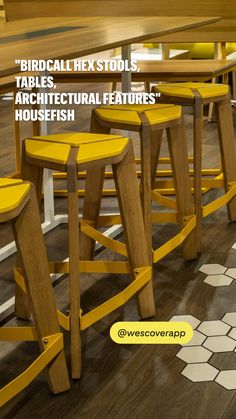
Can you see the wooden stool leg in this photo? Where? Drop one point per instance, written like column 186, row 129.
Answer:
column 91, row 208
column 155, row 147
column 96, row 126
column 227, row 148
column 23, row 307
column 16, row 135
column 33, row 174
column 36, row 124
column 30, row 244
column 74, row 280
column 93, row 196
column 180, row 168
column 131, row 214
column 146, row 185
column 197, row 140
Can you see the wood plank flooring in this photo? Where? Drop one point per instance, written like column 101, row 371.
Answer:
column 128, row 381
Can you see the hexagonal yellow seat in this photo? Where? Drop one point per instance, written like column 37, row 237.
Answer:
column 8, row 182
column 18, row 205
column 130, row 114
column 91, row 147
column 198, row 94
column 71, row 153
column 188, row 90
column 11, row 196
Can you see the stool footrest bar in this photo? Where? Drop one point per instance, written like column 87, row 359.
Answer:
column 53, row 345
column 219, row 202
column 176, row 241
column 107, row 242
column 143, row 276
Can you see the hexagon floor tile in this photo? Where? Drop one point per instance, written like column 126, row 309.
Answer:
column 218, row 280
column 232, row 333
column 227, row 379
column 231, row 272
column 211, row 336
column 194, row 354
column 220, row 344
column 214, row 328
column 212, row 269
column 200, row 372
column 197, row 339
column 186, row 318
column 230, row 318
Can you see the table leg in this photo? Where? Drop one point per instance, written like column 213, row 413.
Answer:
column 126, row 75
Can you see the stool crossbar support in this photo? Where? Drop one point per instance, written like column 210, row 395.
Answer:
column 52, row 344
column 142, row 277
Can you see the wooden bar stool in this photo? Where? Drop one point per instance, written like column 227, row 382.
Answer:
column 150, row 121
column 18, row 205
column 197, row 95
column 71, row 153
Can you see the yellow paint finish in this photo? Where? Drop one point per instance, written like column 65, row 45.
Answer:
column 76, row 138
column 9, row 182
column 206, row 90
column 11, row 197
column 52, row 152
column 105, row 149
column 128, row 114
column 151, row 333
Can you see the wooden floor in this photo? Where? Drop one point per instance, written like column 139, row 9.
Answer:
column 128, row 381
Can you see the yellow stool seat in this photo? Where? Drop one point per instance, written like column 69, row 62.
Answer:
column 8, row 182
column 206, row 90
column 76, row 139
column 10, row 199
column 92, row 147
column 129, row 114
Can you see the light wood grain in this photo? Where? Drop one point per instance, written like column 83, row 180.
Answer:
column 34, row 260
column 166, row 70
column 74, row 271
column 227, row 148
column 135, row 236
column 99, row 35
column 222, row 31
column 42, row 8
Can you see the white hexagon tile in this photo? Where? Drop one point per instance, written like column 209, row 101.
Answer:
column 218, row 344
column 209, row 337
column 230, row 318
column 227, row 379
column 186, row 318
column 213, row 269
column 197, row 339
column 199, row 373
column 214, row 328
column 218, row 280
column 231, row 272
column 232, row 333
column 194, row 354
column 218, row 275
